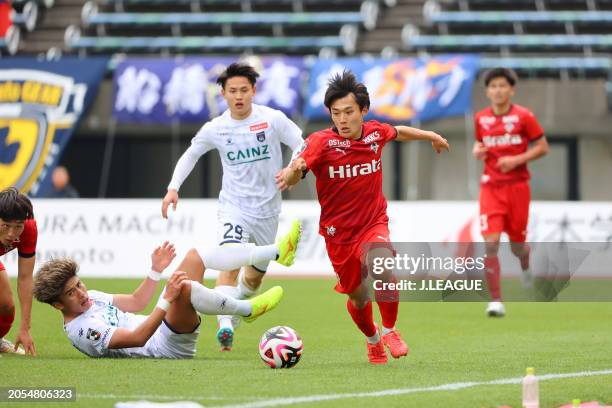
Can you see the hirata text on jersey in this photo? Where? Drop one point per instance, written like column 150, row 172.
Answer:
column 505, row 140
column 354, row 170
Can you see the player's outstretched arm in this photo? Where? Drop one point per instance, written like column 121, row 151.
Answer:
column 124, row 338
column 291, row 175
column 407, row 133
column 161, row 257
column 25, row 268
column 538, row 149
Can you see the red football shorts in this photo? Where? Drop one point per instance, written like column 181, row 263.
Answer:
column 505, row 208
column 348, row 259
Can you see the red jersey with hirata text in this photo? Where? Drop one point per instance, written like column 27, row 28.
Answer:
column 349, row 180
column 506, row 135
column 26, row 244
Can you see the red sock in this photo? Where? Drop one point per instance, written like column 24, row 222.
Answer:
column 492, row 270
column 6, row 321
column 388, row 312
column 388, row 304
column 362, row 318
column 525, row 258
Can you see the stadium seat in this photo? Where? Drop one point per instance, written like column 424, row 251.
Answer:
column 28, row 16
column 9, row 44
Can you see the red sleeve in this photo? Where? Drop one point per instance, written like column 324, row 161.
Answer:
column 389, row 132
column 27, row 240
column 477, row 133
column 310, row 151
column 532, row 129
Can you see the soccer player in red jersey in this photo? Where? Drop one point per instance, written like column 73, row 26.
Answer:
column 507, row 137
column 17, row 230
column 346, row 161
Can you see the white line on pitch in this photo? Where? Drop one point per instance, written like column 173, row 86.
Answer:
column 401, row 391
column 159, row 397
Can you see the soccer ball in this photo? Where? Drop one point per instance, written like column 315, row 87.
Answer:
column 281, row 347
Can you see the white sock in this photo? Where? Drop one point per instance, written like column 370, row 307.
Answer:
column 225, row 321
column 212, row 302
column 233, row 256
column 244, row 292
column 374, row 339
column 386, row 331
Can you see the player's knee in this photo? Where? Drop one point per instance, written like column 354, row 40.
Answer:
column 518, row 250
column 253, row 281
column 193, row 255
column 359, row 303
column 186, row 290
column 359, row 297
column 492, row 247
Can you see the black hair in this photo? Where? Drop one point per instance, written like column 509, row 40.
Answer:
column 500, row 72
column 238, row 69
column 343, row 84
column 15, row 206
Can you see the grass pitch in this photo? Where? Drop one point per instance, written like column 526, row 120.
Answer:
column 450, row 343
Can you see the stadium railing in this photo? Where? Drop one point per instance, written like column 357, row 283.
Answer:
column 245, row 5
column 509, row 17
column 523, row 4
column 560, row 66
column 588, row 42
column 214, row 31
column 517, row 20
column 91, row 17
column 204, row 43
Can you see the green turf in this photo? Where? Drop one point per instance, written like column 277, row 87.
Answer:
column 450, row 342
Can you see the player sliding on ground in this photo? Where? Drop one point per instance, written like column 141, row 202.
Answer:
column 346, row 161
column 103, row 325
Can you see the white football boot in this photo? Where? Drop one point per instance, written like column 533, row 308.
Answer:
column 496, row 309
column 7, row 347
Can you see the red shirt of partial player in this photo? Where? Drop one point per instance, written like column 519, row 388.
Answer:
column 506, row 135
column 349, row 179
column 26, row 245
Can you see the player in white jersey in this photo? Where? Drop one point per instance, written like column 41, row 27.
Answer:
column 103, row 325
column 248, row 138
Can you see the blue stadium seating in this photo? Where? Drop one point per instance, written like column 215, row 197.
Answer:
column 510, row 17
column 310, row 19
column 523, row 42
column 114, row 44
column 152, row 25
